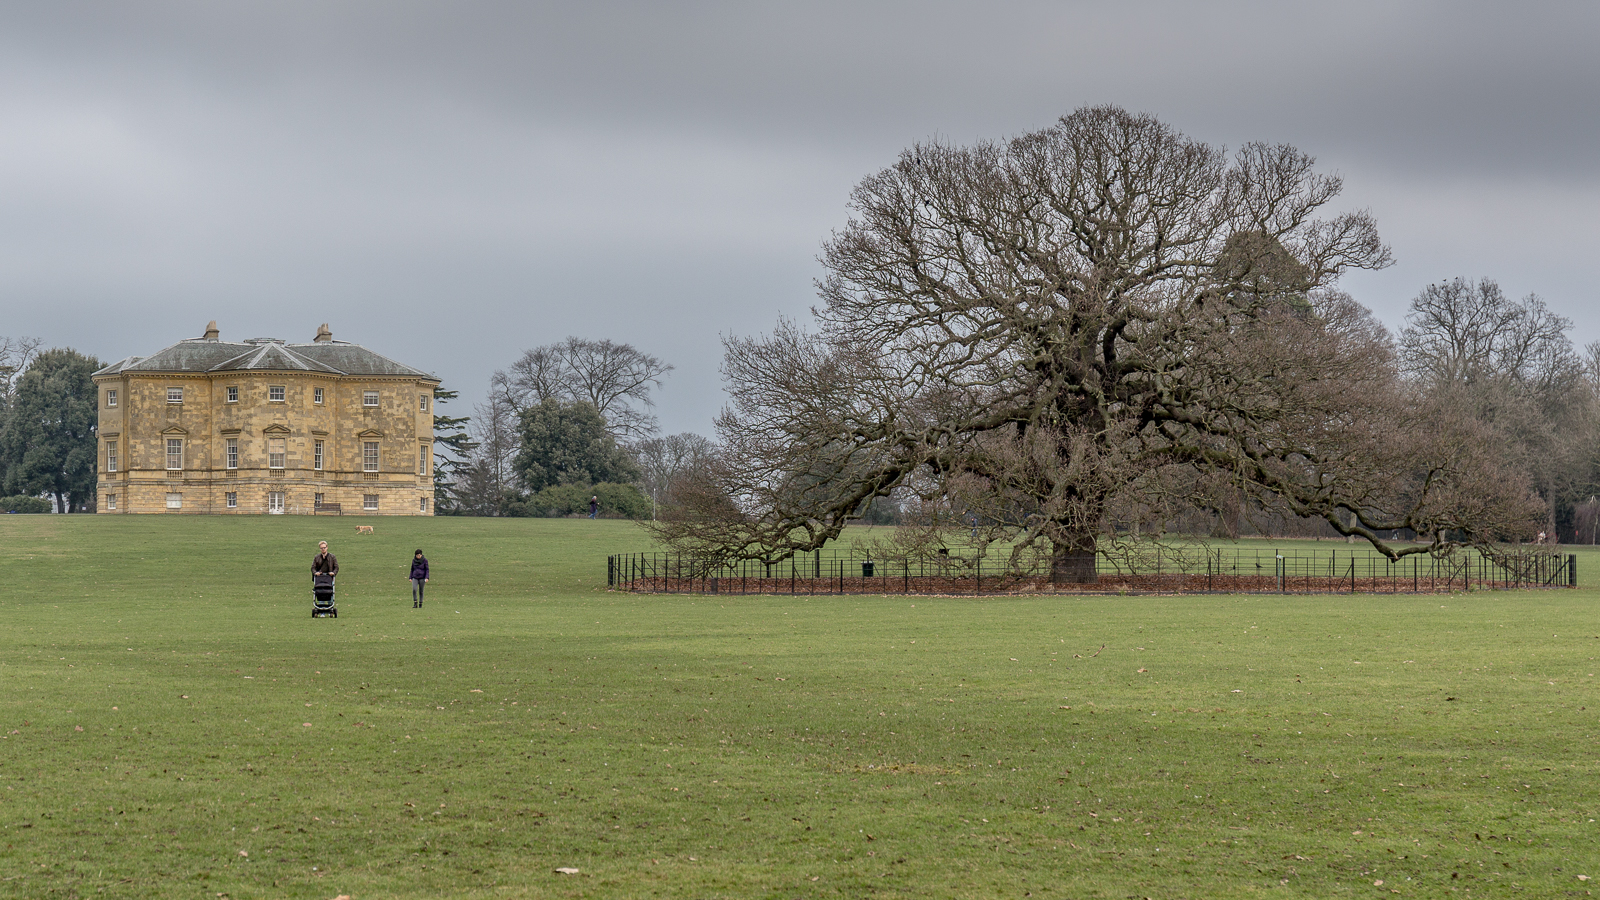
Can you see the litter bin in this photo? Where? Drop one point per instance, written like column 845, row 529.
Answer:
column 866, row 569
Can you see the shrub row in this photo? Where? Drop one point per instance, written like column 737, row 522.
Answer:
column 617, row 501
column 21, row 504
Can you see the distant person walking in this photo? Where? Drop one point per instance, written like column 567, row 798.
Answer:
column 419, row 577
column 594, row 507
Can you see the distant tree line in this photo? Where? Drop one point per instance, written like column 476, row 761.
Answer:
column 567, row 422
column 571, row 421
column 1506, row 366
column 1509, row 366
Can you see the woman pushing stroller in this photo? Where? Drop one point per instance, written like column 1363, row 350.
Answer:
column 324, row 566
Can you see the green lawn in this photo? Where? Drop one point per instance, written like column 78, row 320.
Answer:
column 174, row 724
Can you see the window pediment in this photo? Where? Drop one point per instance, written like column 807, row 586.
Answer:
column 275, row 429
column 370, row 433
column 175, row 429
column 232, row 430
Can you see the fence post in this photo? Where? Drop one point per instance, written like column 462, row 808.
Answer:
column 1572, row 570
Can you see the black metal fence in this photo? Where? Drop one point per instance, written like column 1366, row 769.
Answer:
column 1198, row 570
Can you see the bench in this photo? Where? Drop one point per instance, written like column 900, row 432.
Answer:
column 327, row 508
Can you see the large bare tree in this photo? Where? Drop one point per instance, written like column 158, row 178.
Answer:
column 1034, row 332
column 614, row 378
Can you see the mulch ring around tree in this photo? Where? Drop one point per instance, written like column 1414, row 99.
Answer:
column 1170, row 584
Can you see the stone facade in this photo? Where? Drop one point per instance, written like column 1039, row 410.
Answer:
column 262, row 426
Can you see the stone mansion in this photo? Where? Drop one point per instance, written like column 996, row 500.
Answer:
column 264, row 426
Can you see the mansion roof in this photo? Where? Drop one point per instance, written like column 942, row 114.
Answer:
column 210, row 355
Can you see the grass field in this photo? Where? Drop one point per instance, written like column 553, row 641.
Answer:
column 174, row 724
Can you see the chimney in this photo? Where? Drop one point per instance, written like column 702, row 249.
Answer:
column 324, row 336
column 211, row 330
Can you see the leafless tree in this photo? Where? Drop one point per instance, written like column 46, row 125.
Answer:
column 617, row 379
column 1036, row 331
column 1468, row 332
column 666, row 461
column 488, row 474
column 15, row 354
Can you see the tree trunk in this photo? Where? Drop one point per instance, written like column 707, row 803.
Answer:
column 1072, row 561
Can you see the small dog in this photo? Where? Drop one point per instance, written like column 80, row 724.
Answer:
column 363, row 529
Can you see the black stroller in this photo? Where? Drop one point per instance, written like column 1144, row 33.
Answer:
column 322, row 597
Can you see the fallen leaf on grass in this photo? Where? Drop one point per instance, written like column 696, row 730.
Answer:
column 566, row 870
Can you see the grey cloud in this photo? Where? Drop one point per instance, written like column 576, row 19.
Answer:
column 451, row 183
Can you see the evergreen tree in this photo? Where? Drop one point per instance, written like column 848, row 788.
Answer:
column 568, row 443
column 452, row 453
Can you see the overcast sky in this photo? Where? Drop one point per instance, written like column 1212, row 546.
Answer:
column 451, row 183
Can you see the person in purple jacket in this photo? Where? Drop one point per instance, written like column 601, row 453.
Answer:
column 419, row 577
